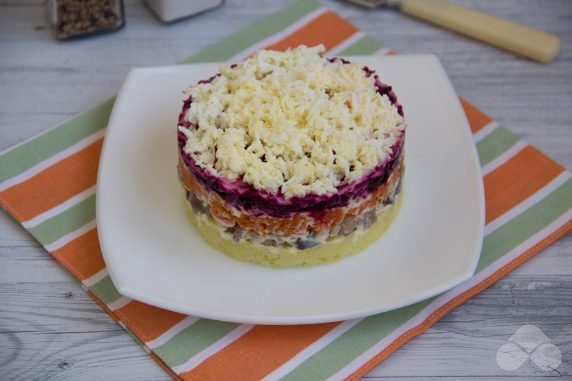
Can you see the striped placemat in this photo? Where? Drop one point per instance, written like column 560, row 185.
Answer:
column 48, row 185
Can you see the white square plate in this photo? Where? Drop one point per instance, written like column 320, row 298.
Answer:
column 154, row 255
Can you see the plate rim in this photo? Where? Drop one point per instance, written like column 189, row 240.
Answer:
column 257, row 318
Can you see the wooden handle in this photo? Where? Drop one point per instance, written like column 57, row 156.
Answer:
column 519, row 39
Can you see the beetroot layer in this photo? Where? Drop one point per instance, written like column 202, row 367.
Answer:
column 259, row 202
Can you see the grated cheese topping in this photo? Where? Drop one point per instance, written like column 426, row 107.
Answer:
column 291, row 123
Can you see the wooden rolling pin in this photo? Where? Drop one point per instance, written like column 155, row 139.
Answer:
column 528, row 42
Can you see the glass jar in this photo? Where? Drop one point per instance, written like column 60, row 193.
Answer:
column 79, row 18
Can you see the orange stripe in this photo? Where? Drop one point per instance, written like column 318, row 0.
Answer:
column 517, row 179
column 82, row 256
column 460, row 299
column 477, row 119
column 328, row 29
column 53, row 185
column 147, row 322
column 259, row 352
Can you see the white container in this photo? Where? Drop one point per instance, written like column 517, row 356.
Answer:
column 171, row 10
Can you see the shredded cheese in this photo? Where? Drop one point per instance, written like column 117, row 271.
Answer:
column 291, row 123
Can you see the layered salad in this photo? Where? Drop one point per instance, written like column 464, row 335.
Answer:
column 291, row 158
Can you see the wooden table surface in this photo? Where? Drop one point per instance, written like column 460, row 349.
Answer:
column 51, row 330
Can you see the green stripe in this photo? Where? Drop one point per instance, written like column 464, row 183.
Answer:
column 245, row 38
column 495, row 144
column 525, row 225
column 193, row 340
column 365, row 45
column 54, row 140
column 105, row 291
column 353, row 343
column 66, row 222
